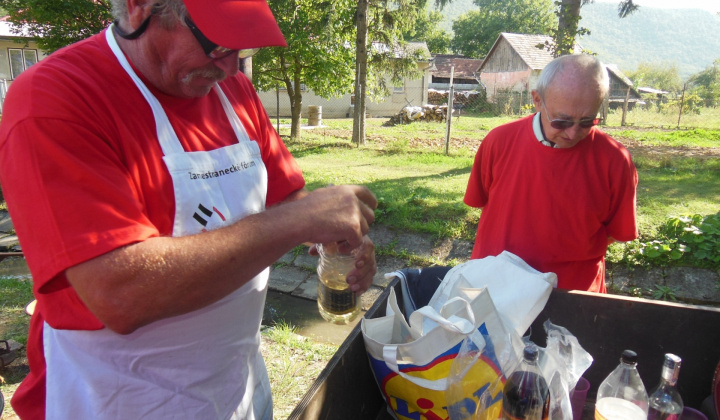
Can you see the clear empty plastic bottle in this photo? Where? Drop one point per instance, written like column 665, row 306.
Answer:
column 665, row 401
column 526, row 394
column 336, row 302
column 622, row 395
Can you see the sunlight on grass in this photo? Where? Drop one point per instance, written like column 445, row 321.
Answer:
column 293, row 363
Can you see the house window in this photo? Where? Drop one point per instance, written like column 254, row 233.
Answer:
column 399, row 89
column 20, row 60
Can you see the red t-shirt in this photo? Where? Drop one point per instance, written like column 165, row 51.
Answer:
column 82, row 172
column 554, row 208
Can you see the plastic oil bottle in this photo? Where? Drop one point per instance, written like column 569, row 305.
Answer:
column 622, row 395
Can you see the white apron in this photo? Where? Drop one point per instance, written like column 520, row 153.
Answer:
column 202, row 365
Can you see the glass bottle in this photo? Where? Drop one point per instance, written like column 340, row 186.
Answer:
column 622, row 395
column 665, row 401
column 336, row 302
column 526, row 394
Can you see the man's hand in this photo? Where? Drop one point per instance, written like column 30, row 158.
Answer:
column 336, row 214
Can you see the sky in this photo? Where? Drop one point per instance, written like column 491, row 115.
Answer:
column 712, row 6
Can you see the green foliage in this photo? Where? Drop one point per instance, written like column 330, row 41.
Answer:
column 477, row 30
column 694, row 239
column 318, row 55
column 57, row 23
column 707, row 84
column 426, row 28
column 664, row 293
column 691, row 103
column 657, row 76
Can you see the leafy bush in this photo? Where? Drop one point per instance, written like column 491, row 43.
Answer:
column 692, row 240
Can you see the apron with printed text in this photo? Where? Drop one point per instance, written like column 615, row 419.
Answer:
column 204, row 364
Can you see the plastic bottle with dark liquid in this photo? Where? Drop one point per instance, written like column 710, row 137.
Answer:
column 526, row 395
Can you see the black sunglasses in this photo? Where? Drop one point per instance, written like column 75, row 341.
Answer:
column 560, row 124
column 214, row 50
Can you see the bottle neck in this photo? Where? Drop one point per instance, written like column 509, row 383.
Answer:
column 670, row 375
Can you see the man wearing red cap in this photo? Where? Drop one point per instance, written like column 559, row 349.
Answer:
column 150, row 193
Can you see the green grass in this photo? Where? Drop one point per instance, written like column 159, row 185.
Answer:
column 421, row 189
column 14, row 322
column 293, row 363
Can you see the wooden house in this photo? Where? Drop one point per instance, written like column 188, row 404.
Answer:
column 465, row 72
column 621, row 88
column 513, row 66
column 514, row 63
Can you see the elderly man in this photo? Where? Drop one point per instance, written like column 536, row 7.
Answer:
column 150, row 194
column 553, row 188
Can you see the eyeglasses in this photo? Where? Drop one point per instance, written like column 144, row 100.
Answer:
column 214, row 50
column 560, row 124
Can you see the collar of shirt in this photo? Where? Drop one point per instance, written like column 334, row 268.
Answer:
column 537, row 129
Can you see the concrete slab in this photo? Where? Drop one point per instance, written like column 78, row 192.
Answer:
column 6, row 225
column 286, row 259
column 285, row 279
column 306, row 260
column 9, row 243
column 308, row 288
column 695, row 285
column 625, row 279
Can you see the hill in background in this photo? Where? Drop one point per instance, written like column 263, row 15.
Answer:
column 688, row 38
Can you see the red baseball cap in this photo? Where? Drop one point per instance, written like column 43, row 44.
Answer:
column 236, row 24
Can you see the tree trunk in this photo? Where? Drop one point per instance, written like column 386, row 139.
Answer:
column 295, row 107
column 625, row 106
column 246, row 67
column 360, row 73
column 568, row 20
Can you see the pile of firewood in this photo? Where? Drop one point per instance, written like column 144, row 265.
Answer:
column 461, row 99
column 418, row 113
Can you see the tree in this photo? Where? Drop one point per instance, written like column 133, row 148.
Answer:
column 568, row 13
column 706, row 84
column 664, row 77
column 381, row 22
column 426, row 29
column 477, row 30
column 319, row 55
column 57, row 23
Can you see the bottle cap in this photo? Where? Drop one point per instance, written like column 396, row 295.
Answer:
column 531, row 353
column 629, row 357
